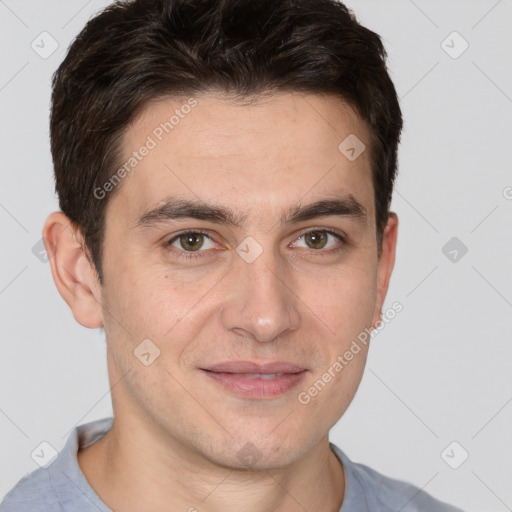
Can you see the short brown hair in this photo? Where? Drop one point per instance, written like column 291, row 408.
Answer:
column 136, row 51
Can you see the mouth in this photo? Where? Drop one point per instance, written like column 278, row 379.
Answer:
column 255, row 381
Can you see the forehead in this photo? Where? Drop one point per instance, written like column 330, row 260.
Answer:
column 266, row 152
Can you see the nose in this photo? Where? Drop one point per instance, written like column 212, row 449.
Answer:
column 259, row 301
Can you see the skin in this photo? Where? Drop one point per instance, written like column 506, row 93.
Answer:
column 177, row 434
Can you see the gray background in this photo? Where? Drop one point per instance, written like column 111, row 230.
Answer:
column 438, row 373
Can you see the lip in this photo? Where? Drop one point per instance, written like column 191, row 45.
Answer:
column 244, row 378
column 252, row 367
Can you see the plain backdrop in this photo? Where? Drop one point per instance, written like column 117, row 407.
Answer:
column 439, row 373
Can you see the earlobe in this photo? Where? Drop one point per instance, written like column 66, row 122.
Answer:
column 385, row 265
column 73, row 274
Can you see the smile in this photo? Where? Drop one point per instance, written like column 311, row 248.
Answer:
column 242, row 380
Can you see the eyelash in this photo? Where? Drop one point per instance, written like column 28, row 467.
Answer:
column 191, row 255
column 182, row 254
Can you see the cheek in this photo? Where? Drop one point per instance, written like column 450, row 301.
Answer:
column 346, row 302
column 327, row 395
column 341, row 321
column 149, row 299
column 151, row 302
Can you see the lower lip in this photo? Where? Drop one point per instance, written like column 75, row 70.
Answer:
column 256, row 387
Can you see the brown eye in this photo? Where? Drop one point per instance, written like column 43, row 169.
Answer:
column 316, row 239
column 322, row 240
column 191, row 241
column 188, row 242
column 190, row 245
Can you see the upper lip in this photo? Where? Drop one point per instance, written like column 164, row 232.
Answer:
column 251, row 367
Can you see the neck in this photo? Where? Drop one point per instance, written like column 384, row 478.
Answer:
column 132, row 469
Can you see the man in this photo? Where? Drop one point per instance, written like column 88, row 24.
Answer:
column 224, row 171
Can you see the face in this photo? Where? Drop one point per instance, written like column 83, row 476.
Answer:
column 243, row 246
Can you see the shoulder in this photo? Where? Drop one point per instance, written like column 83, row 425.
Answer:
column 33, row 493
column 391, row 492
column 60, row 485
column 376, row 491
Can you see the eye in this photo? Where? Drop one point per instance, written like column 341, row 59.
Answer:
column 191, row 241
column 319, row 239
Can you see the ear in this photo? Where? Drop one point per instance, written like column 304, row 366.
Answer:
column 73, row 273
column 385, row 265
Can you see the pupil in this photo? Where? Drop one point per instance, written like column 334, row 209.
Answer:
column 191, row 241
column 316, row 239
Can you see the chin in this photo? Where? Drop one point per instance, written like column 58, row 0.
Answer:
column 259, row 454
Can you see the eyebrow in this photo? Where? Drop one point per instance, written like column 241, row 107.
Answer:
column 175, row 208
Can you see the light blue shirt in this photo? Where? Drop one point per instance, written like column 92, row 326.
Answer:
column 62, row 487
